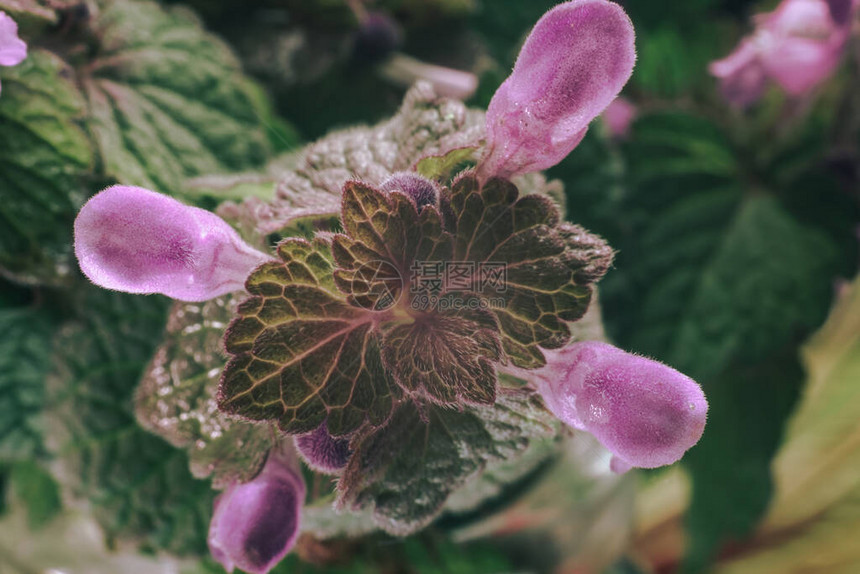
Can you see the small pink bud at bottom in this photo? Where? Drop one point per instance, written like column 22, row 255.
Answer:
column 323, row 452
column 646, row 413
column 138, row 241
column 256, row 523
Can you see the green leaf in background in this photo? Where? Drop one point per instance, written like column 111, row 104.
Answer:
column 43, row 155
column 168, row 101
column 139, row 487
column 176, row 397
column 37, row 9
column 406, row 471
column 35, row 487
column 721, row 282
column 25, row 360
column 813, row 522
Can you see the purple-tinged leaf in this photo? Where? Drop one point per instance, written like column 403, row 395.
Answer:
column 446, row 357
column 256, row 523
column 138, row 241
column 301, row 353
column 323, row 452
column 420, row 190
column 548, row 266
column 425, row 125
column 573, row 64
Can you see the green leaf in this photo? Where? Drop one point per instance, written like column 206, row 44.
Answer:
column 37, row 490
column 138, row 486
column 43, row 154
column 816, row 507
column 406, row 471
column 25, row 359
column 37, row 9
column 443, row 167
column 176, row 397
column 168, row 101
column 302, row 354
column 718, row 279
column 548, row 265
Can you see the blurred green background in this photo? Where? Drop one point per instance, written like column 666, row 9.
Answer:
column 736, row 231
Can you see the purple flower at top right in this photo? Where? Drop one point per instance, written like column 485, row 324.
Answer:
column 797, row 46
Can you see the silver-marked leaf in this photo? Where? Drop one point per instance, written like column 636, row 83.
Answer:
column 425, row 125
column 176, row 397
column 406, row 471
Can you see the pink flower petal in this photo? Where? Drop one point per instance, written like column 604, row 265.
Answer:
column 742, row 76
column 645, row 413
column 573, row 64
column 256, row 523
column 13, row 50
column 138, row 241
column 619, row 115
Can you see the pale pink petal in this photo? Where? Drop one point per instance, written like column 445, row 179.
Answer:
column 138, row 241
column 741, row 74
column 573, row 64
column 619, row 116
column 13, row 50
column 645, row 413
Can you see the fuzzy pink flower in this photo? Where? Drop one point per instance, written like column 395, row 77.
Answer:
column 573, row 64
column 138, row 241
column 645, row 413
column 256, row 523
column 618, row 116
column 13, row 49
column 798, row 46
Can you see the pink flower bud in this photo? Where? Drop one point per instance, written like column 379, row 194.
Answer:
column 645, row 413
column 421, row 191
column 138, row 241
column 573, row 64
column 13, row 50
column 323, row 452
column 256, row 523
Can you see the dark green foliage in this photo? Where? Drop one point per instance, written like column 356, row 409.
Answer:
column 43, row 155
column 722, row 277
column 407, row 470
column 37, row 490
column 139, row 486
column 25, row 360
